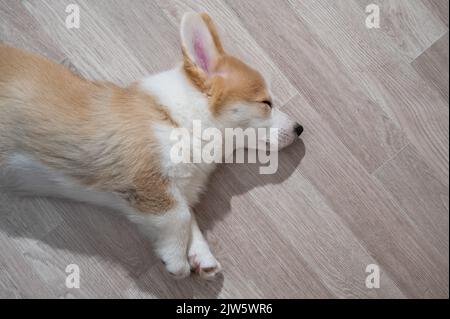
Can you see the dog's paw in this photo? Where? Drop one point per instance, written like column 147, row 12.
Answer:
column 204, row 265
column 178, row 269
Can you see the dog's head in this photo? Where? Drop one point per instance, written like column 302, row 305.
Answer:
column 238, row 95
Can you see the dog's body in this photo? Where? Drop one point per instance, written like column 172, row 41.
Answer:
column 61, row 135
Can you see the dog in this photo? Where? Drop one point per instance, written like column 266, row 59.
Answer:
column 91, row 141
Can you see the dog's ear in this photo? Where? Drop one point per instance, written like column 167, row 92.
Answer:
column 201, row 44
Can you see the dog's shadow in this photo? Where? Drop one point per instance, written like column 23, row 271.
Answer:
column 63, row 231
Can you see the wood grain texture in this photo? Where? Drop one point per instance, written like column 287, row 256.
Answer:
column 305, row 217
column 94, row 49
column 143, row 29
column 19, row 28
column 433, row 65
column 369, row 211
column 18, row 276
column 367, row 55
column 420, row 193
column 341, row 26
column 107, row 249
column 409, row 25
column 367, row 183
column 417, row 108
column 439, row 8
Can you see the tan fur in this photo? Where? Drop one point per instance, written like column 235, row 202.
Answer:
column 238, row 83
column 231, row 79
column 95, row 132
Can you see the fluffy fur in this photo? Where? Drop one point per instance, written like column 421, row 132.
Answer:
column 61, row 135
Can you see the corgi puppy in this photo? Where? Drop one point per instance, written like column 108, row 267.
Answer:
column 96, row 142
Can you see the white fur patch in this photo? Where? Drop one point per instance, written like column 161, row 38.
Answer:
column 185, row 103
column 24, row 174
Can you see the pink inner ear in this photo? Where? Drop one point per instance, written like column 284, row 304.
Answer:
column 200, row 52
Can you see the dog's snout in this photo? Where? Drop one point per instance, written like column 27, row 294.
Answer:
column 298, row 129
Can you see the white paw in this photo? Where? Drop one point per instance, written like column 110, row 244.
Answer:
column 204, row 264
column 178, row 269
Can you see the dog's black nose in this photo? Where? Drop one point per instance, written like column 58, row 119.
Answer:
column 298, row 129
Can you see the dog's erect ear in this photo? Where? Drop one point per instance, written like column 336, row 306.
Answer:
column 200, row 41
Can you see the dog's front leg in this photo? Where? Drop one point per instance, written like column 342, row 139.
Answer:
column 170, row 232
column 200, row 257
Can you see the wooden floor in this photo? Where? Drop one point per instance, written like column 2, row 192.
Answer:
column 367, row 184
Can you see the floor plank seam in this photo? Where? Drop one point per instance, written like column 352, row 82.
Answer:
column 426, row 49
column 389, row 159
